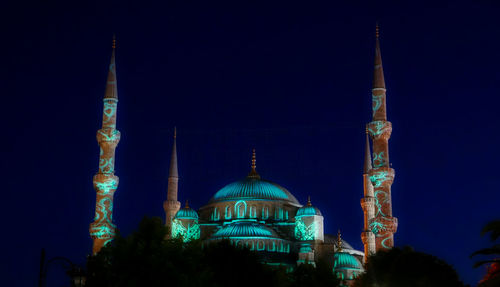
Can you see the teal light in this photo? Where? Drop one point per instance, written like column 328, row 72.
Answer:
column 379, row 159
column 265, row 213
column 106, row 187
column 377, row 102
column 112, row 136
column 308, row 211
column 252, row 188
column 186, row 213
column 240, row 209
column 189, row 233
column 106, row 165
column 377, row 128
column 378, row 178
column 215, row 215
column 245, row 229
column 227, row 213
column 345, row 261
column 304, row 232
column 104, row 231
column 385, row 239
column 376, row 227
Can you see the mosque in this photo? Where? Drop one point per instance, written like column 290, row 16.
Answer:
column 257, row 213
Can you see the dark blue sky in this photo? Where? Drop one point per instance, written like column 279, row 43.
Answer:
column 291, row 80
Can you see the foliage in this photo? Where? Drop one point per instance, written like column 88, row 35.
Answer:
column 306, row 275
column 405, row 267
column 146, row 258
column 492, row 277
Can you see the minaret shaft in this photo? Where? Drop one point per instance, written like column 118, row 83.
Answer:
column 102, row 230
column 172, row 205
column 383, row 224
column 368, row 203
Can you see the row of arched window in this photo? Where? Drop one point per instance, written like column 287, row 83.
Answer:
column 260, row 245
column 241, row 210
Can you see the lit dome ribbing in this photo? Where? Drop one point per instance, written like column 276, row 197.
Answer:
column 308, row 211
column 344, row 260
column 254, row 188
column 244, row 229
column 186, row 213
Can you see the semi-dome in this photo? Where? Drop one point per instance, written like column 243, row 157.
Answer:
column 308, row 210
column 254, row 188
column 344, row 260
column 186, row 213
column 245, row 229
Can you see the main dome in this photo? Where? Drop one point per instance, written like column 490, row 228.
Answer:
column 254, row 188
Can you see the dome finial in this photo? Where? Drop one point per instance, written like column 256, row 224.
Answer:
column 377, row 30
column 187, row 204
column 253, row 173
column 309, row 201
column 254, row 160
column 114, row 42
column 339, row 241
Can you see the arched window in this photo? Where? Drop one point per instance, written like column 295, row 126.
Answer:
column 265, row 212
column 227, row 214
column 240, row 209
column 261, row 245
column 253, row 212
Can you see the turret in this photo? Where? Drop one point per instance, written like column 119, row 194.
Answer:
column 345, row 266
column 185, row 224
column 383, row 225
column 172, row 205
column 102, row 230
column 309, row 223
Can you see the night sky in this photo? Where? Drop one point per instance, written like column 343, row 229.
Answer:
column 290, row 80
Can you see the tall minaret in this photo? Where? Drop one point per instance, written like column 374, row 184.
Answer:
column 102, row 230
column 383, row 225
column 368, row 202
column 172, row 205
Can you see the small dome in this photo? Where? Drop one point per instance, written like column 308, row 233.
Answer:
column 245, row 229
column 344, row 260
column 186, row 213
column 308, row 210
column 254, row 188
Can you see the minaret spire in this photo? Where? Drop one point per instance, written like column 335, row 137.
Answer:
column 378, row 89
column 368, row 156
column 102, row 230
column 383, row 225
column 172, row 205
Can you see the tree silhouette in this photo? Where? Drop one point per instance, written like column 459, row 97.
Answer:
column 492, row 277
column 405, row 267
column 146, row 258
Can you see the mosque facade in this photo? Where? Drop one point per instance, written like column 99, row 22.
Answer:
column 257, row 213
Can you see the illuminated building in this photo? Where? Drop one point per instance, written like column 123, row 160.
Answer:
column 102, row 230
column 259, row 214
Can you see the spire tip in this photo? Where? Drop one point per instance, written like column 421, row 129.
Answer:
column 377, row 30
column 339, row 241
column 114, row 42
column 253, row 160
